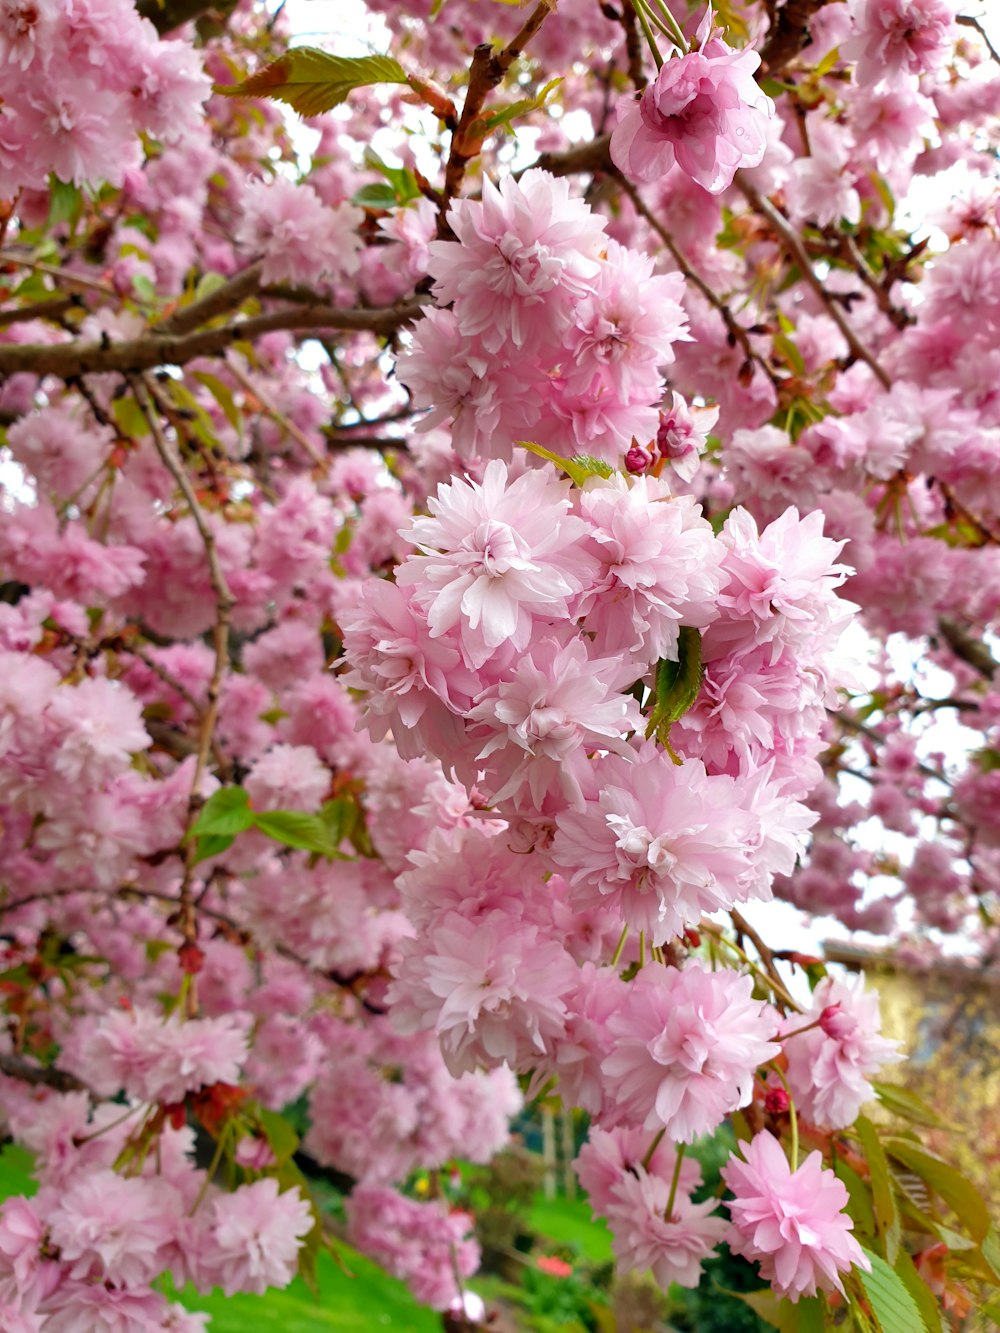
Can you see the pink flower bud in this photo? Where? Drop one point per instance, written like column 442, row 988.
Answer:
column 777, row 1101
column 637, row 460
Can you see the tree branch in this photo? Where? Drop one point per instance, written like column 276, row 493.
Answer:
column 228, row 297
column 488, row 70
column 166, row 15
column 154, row 349
column 971, row 650
column 40, row 1076
column 793, row 244
column 789, row 35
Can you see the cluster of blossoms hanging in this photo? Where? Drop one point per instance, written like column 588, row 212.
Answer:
column 388, row 723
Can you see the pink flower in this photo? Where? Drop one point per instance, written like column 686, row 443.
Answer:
column 609, row 1156
column 300, row 238
column 492, row 989
column 702, row 111
column 115, row 1228
column 658, row 567
column 249, row 1240
column 792, row 1222
column 687, row 1045
column 538, row 724
column 495, row 555
column 898, row 37
column 828, row 1068
column 525, row 254
column 645, row 1238
column 664, row 843
column 419, row 1242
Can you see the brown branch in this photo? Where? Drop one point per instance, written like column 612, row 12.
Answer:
column 765, row 954
column 166, row 15
column 489, row 69
column 153, row 349
column 40, row 1076
column 971, row 650
column 736, row 331
column 788, row 35
column 228, row 297
column 59, row 305
column 968, row 22
column 793, row 244
column 289, row 427
column 591, row 157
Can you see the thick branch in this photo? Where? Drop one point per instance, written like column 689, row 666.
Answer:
column 789, row 35
column 970, row 649
column 166, row 15
column 595, row 155
column 154, row 349
column 228, row 297
column 489, row 68
column 39, row 1076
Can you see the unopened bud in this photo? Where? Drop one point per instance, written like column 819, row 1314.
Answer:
column 835, row 1023
column 637, row 460
column 777, row 1101
column 191, row 958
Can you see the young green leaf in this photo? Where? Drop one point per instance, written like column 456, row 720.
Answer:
column 886, row 1213
column 225, row 813
column 313, row 81
column 294, row 828
column 894, row 1307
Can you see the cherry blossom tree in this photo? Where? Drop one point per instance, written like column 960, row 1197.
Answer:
column 455, row 562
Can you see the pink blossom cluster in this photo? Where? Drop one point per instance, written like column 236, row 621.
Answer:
column 544, row 327
column 80, row 82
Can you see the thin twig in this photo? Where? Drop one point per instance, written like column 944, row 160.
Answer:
column 224, row 603
column 735, row 330
column 967, row 21
column 289, row 427
column 39, row 1075
column 793, row 244
column 228, row 297
column 764, row 953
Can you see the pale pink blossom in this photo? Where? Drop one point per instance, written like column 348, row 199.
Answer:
column 249, row 1240
column 829, row 1067
column 703, row 111
column 524, row 255
column 687, row 1045
column 792, row 1223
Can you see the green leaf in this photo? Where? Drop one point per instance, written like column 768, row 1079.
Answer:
column 313, row 81
column 281, row 1137
column 924, row 1298
column 376, row 194
column 990, row 1249
column 992, row 1310
column 65, row 202
column 578, row 469
column 207, row 284
column 212, row 844
column 506, row 114
column 778, row 1313
column 403, row 182
column 908, row 1106
column 958, row 1193
column 894, row 1307
column 676, row 684
column 339, row 817
column 225, row 813
column 294, row 828
column 860, row 1208
column 222, row 394
column 886, row 1213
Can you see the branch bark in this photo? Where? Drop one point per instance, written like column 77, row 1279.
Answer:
column 789, row 35
column 40, row 1076
column 153, row 349
column 166, row 15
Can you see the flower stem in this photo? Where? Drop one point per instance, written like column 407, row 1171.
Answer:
column 674, row 29
column 642, row 948
column 616, row 956
column 658, row 1139
column 792, row 1116
column 798, row 1031
column 643, row 17
column 668, row 1212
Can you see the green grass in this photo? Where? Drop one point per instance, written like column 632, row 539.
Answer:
column 569, row 1222
column 363, row 1300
